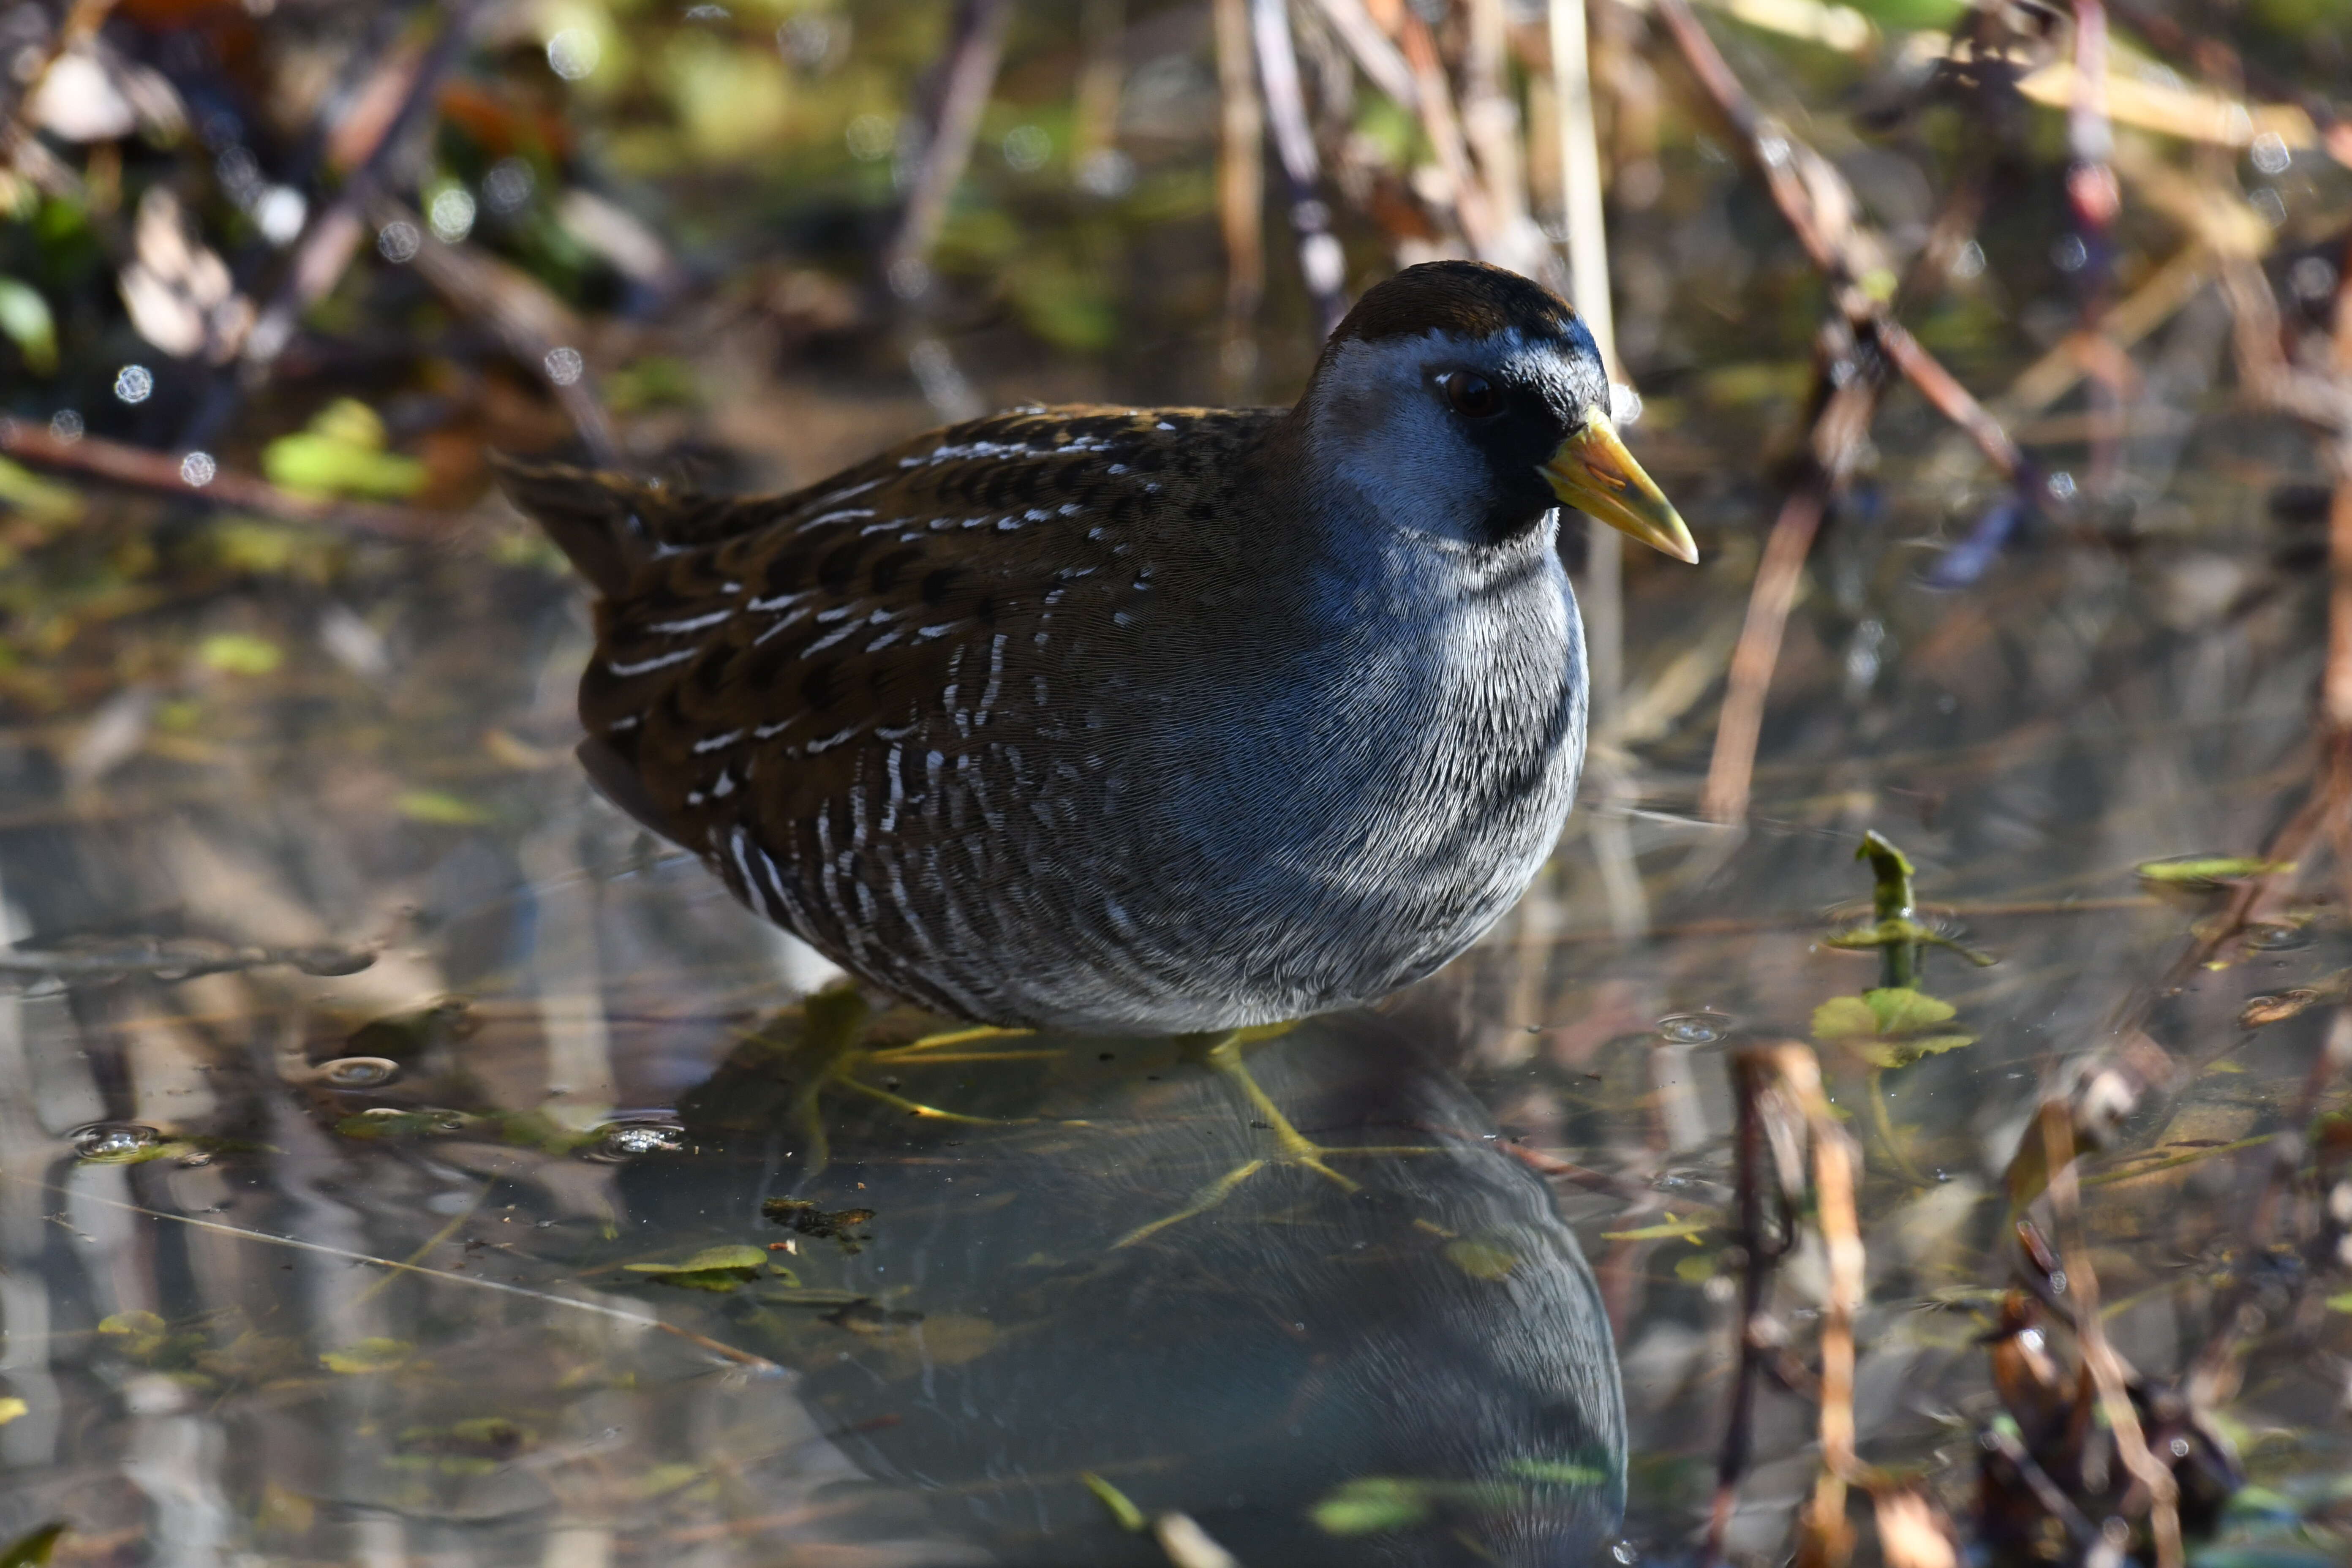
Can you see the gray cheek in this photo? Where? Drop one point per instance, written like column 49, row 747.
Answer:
column 1415, row 469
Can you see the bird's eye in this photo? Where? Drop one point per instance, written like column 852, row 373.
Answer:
column 1473, row 397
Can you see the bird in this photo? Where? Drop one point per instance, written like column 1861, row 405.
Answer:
column 1143, row 722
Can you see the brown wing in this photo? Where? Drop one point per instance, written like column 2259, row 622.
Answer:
column 856, row 680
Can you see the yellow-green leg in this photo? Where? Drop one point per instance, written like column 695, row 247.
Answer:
column 1221, row 1052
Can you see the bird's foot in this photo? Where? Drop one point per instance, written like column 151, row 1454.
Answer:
column 1221, row 1054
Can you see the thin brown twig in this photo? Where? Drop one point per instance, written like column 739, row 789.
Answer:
column 143, row 467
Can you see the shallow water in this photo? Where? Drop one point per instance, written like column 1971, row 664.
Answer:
column 403, row 1158
column 380, row 1266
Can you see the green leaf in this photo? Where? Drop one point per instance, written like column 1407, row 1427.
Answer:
column 1370, row 1504
column 440, row 808
column 1901, row 1011
column 32, row 1551
column 240, row 653
column 1554, row 1472
column 2340, row 1303
column 369, row 1355
column 1481, row 1258
column 717, row 1269
column 10, row 1408
column 24, row 320
column 1892, row 1053
column 1882, row 1025
column 2208, row 870
column 1122, row 1507
column 1673, row 1229
column 1844, row 1017
column 708, row 1259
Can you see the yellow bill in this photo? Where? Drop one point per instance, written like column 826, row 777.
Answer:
column 1593, row 473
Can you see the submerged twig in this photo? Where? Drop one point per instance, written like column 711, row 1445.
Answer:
column 2107, row 1371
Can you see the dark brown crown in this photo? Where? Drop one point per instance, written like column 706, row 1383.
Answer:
column 1468, row 299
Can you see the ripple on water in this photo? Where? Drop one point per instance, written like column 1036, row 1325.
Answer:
column 114, row 1141
column 632, row 1137
column 1701, row 1028
column 359, row 1072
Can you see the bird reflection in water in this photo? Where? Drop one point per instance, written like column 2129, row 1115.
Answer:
column 1411, row 1365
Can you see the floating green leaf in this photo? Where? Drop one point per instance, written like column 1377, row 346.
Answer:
column 440, row 808
column 2207, row 872
column 1122, row 1507
column 373, row 1354
column 1481, row 1258
column 715, row 1269
column 1370, row 1504
column 1883, row 1026
column 1673, row 1229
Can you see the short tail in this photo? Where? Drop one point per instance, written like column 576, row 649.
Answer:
column 602, row 521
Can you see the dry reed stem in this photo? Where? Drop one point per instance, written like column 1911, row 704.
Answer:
column 2108, row 1374
column 1320, row 261
column 1241, row 191
column 1731, row 770
column 1836, row 1172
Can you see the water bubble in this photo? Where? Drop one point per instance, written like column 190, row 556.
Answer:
column 2069, row 254
column 359, row 1072
column 2270, row 154
column 197, row 469
column 450, row 1121
column 2313, row 278
column 397, row 242
column 114, row 1141
column 871, row 137
column 1105, row 172
column 808, row 40
column 1625, row 1552
column 2061, row 486
column 1694, row 1028
column 383, row 1113
column 280, row 212
column 195, row 1160
column 508, row 184
column 1969, row 263
column 66, row 425
column 1026, row 148
column 632, row 1137
column 2278, row 936
column 2269, row 204
column 451, row 215
column 134, row 383
column 565, row 365
column 573, row 53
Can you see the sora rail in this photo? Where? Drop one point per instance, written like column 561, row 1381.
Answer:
column 1147, row 722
